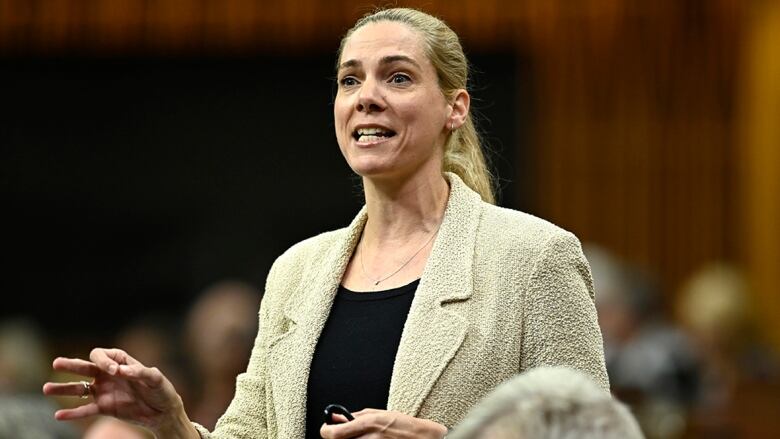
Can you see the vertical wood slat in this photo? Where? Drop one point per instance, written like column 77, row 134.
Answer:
column 760, row 164
column 632, row 138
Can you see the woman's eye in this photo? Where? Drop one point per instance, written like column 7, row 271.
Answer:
column 348, row 81
column 400, row 78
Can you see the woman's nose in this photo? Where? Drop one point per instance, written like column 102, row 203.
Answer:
column 369, row 98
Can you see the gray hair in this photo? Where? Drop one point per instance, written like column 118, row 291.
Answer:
column 548, row 403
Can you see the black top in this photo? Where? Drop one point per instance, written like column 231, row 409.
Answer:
column 353, row 361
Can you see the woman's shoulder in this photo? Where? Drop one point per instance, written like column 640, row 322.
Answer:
column 532, row 243
column 522, row 231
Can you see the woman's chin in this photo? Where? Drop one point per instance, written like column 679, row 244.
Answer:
column 372, row 169
column 386, row 171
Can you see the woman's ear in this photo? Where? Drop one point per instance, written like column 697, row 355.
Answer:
column 460, row 109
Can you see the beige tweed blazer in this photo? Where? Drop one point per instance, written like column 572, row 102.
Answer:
column 502, row 292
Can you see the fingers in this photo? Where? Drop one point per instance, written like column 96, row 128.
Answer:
column 349, row 429
column 105, row 362
column 384, row 423
column 76, row 366
column 339, row 418
column 366, row 412
column 345, row 430
column 109, row 360
column 77, row 413
column 151, row 376
column 114, row 362
column 63, row 389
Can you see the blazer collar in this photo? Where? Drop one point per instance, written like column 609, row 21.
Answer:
column 430, row 327
column 433, row 333
column 306, row 311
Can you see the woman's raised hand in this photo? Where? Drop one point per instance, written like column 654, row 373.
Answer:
column 124, row 388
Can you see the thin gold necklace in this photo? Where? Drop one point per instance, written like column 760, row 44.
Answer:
column 382, row 279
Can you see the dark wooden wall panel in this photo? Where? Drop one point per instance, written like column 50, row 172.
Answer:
column 649, row 116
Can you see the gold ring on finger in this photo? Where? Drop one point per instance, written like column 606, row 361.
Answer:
column 87, row 392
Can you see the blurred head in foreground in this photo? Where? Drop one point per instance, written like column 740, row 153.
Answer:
column 111, row 428
column 548, row 403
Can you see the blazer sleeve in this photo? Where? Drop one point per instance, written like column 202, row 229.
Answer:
column 245, row 417
column 560, row 324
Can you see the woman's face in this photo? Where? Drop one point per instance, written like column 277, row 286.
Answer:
column 390, row 115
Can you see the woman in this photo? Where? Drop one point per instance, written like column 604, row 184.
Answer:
column 430, row 298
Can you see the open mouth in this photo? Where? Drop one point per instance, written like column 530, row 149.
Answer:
column 367, row 135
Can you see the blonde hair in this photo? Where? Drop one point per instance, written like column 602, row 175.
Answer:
column 462, row 151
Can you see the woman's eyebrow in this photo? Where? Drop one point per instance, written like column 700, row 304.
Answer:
column 396, row 58
column 389, row 59
column 350, row 63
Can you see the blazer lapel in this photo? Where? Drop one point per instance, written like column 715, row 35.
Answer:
column 306, row 312
column 432, row 333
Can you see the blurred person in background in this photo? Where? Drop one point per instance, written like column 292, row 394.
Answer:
column 653, row 366
column 155, row 339
column 152, row 341
column 741, row 380
column 548, row 403
column 219, row 332
column 430, row 298
column 24, row 366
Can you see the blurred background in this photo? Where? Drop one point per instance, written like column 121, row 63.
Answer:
column 157, row 156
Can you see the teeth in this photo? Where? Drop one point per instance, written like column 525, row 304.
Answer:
column 366, row 138
column 371, row 131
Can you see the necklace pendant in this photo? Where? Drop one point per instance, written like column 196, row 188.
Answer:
column 377, row 282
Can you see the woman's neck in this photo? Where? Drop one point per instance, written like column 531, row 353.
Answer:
column 398, row 211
